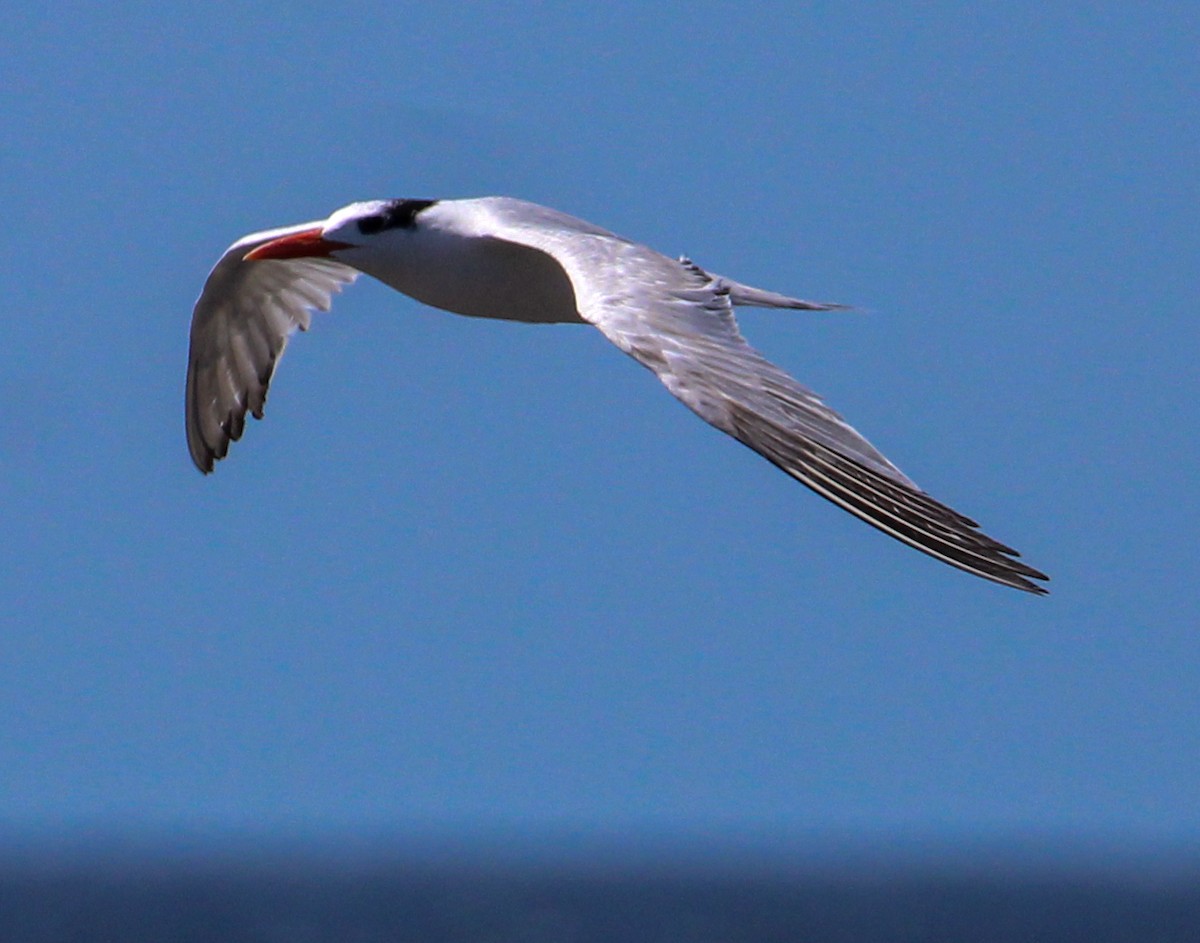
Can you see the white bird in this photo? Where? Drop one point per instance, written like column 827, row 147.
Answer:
column 499, row 257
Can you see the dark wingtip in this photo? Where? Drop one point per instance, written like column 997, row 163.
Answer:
column 1022, row 577
column 203, row 460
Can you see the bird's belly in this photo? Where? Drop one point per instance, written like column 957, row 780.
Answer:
column 489, row 278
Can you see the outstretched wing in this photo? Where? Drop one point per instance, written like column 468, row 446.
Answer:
column 677, row 320
column 240, row 326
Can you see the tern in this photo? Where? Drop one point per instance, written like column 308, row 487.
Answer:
column 499, row 257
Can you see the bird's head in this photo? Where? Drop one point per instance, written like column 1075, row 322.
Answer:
column 356, row 226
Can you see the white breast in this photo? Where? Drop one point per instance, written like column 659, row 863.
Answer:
column 477, row 276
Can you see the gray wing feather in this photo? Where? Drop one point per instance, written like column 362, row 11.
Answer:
column 240, row 326
column 677, row 320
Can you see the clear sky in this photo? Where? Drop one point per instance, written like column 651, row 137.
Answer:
column 470, row 576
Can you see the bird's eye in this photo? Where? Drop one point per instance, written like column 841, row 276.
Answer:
column 370, row 225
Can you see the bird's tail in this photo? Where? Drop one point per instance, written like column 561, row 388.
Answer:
column 744, row 295
column 740, row 294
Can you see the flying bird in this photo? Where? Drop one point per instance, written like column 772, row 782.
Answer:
column 498, row 257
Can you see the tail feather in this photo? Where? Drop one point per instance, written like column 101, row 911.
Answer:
column 740, row 294
column 746, row 296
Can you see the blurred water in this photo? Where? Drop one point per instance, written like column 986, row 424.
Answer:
column 309, row 894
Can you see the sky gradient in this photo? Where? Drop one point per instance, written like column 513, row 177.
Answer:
column 471, row 576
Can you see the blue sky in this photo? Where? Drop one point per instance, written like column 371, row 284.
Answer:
column 471, row 576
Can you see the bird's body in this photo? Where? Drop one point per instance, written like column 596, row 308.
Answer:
column 498, row 257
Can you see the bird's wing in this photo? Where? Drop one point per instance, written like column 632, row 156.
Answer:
column 240, row 326
column 677, row 320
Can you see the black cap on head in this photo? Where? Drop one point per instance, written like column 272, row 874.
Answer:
column 398, row 214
